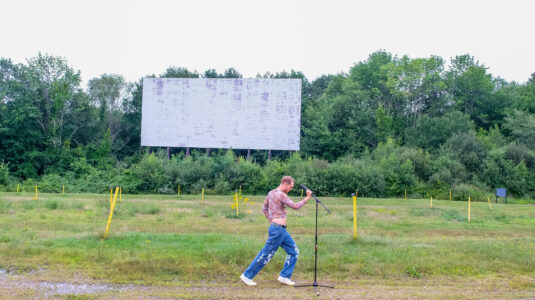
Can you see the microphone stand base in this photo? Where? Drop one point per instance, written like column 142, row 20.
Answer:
column 315, row 285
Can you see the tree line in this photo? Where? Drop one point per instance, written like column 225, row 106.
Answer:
column 389, row 125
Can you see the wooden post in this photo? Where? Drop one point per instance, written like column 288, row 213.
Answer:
column 405, row 195
column 450, row 194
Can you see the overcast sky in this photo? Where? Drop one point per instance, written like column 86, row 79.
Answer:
column 138, row 38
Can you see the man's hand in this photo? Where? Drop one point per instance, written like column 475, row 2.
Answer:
column 309, row 193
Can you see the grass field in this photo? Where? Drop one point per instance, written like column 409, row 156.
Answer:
column 174, row 247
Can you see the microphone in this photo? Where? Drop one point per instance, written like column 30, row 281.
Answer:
column 317, row 200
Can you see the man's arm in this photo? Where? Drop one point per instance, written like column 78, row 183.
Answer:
column 286, row 200
column 265, row 207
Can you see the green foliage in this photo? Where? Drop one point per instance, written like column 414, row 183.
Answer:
column 390, row 124
column 463, row 191
column 4, row 174
column 431, row 132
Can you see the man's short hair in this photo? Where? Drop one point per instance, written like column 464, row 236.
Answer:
column 287, row 180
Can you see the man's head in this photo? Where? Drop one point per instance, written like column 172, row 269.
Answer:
column 287, row 184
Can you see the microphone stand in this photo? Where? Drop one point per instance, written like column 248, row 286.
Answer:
column 315, row 283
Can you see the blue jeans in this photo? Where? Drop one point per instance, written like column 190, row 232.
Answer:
column 278, row 237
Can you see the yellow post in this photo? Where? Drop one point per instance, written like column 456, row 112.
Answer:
column 121, row 194
column 488, row 199
column 111, row 196
column 405, row 194
column 240, row 190
column 468, row 209
column 355, row 214
column 236, row 203
column 178, row 191
column 36, row 194
column 112, row 207
column 431, row 204
column 202, row 196
column 301, row 193
column 18, row 187
column 450, row 195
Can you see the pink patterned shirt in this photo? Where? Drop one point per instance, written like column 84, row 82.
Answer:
column 276, row 202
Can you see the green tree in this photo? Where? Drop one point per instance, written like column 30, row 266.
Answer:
column 521, row 126
column 109, row 93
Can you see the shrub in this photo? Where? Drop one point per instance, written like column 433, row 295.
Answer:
column 4, row 174
column 463, row 191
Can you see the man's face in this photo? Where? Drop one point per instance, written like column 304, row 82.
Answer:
column 288, row 187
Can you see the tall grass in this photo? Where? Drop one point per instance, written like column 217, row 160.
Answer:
column 154, row 239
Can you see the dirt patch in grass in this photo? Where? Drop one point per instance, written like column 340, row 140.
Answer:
column 41, row 285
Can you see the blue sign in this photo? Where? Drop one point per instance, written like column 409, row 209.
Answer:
column 500, row 192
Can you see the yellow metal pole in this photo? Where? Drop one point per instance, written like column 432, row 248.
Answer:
column 450, row 195
column 18, row 187
column 202, row 196
column 431, row 204
column 355, row 214
column 301, row 193
column 236, row 202
column 178, row 191
column 112, row 207
column 468, row 209
column 488, row 199
column 63, row 191
column 36, row 194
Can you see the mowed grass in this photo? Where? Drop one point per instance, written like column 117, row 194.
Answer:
column 157, row 239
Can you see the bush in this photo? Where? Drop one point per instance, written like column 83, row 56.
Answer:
column 4, row 174
column 463, row 191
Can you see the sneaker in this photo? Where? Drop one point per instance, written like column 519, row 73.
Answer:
column 246, row 280
column 286, row 281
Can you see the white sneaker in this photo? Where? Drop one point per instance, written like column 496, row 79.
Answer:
column 246, row 280
column 286, row 281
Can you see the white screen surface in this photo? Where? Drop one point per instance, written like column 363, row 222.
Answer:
column 221, row 113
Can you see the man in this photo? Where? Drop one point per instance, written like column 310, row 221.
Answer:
column 275, row 210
